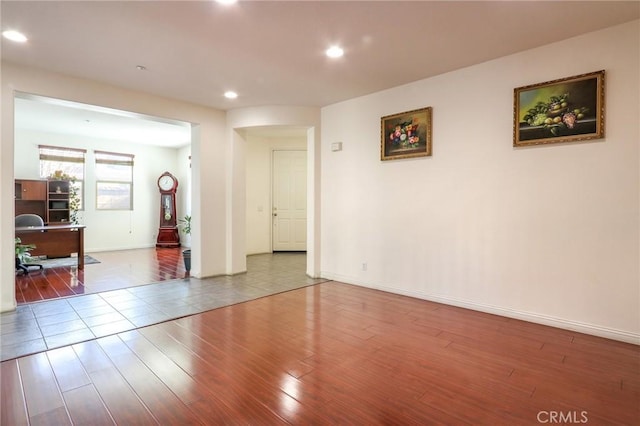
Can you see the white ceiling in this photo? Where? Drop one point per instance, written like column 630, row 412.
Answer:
column 272, row 52
column 42, row 114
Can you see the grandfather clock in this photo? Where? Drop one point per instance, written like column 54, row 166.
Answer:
column 168, row 235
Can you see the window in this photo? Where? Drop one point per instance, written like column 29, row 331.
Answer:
column 114, row 181
column 69, row 162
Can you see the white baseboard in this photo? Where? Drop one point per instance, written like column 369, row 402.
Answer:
column 580, row 327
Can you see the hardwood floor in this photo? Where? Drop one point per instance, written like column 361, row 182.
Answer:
column 330, row 353
column 116, row 270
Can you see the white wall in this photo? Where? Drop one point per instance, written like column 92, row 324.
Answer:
column 208, row 149
column 183, row 197
column 108, row 229
column 549, row 233
column 259, row 167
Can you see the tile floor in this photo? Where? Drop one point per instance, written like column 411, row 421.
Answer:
column 40, row 326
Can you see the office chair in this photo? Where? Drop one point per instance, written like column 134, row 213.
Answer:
column 26, row 220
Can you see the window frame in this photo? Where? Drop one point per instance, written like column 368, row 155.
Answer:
column 115, row 159
column 61, row 158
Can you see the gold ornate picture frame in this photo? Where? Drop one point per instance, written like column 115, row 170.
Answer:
column 566, row 110
column 406, row 134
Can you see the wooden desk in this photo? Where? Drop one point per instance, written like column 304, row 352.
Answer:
column 54, row 240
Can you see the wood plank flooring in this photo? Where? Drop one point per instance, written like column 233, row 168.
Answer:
column 116, row 270
column 329, row 354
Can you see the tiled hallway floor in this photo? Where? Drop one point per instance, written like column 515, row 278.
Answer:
column 49, row 324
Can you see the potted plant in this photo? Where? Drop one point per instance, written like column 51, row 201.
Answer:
column 185, row 227
column 22, row 252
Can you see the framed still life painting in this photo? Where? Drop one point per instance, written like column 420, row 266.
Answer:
column 565, row 110
column 406, row 135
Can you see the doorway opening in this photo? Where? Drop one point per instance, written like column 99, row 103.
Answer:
column 157, row 144
column 276, row 188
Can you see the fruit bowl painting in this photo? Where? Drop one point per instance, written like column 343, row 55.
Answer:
column 565, row 110
column 406, row 135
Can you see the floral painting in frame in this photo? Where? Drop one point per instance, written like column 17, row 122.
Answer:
column 406, row 135
column 565, row 110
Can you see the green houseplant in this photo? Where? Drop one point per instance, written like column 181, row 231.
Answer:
column 185, row 227
column 23, row 252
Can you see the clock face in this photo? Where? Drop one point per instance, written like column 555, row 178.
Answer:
column 165, row 182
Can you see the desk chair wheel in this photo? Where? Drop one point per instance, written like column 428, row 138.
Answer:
column 24, row 267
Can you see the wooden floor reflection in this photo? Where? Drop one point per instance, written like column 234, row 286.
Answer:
column 116, row 270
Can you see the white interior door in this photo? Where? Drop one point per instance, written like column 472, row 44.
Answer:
column 289, row 201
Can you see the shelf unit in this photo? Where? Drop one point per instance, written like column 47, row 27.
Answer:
column 58, row 201
column 31, row 197
column 47, row 199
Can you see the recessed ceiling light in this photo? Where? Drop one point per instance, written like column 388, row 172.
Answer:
column 334, row 52
column 230, row 95
column 14, row 36
column 226, row 1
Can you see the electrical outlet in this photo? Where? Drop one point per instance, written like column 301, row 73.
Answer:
column 364, row 266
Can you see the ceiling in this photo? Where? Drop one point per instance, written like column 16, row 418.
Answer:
column 41, row 114
column 272, row 52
